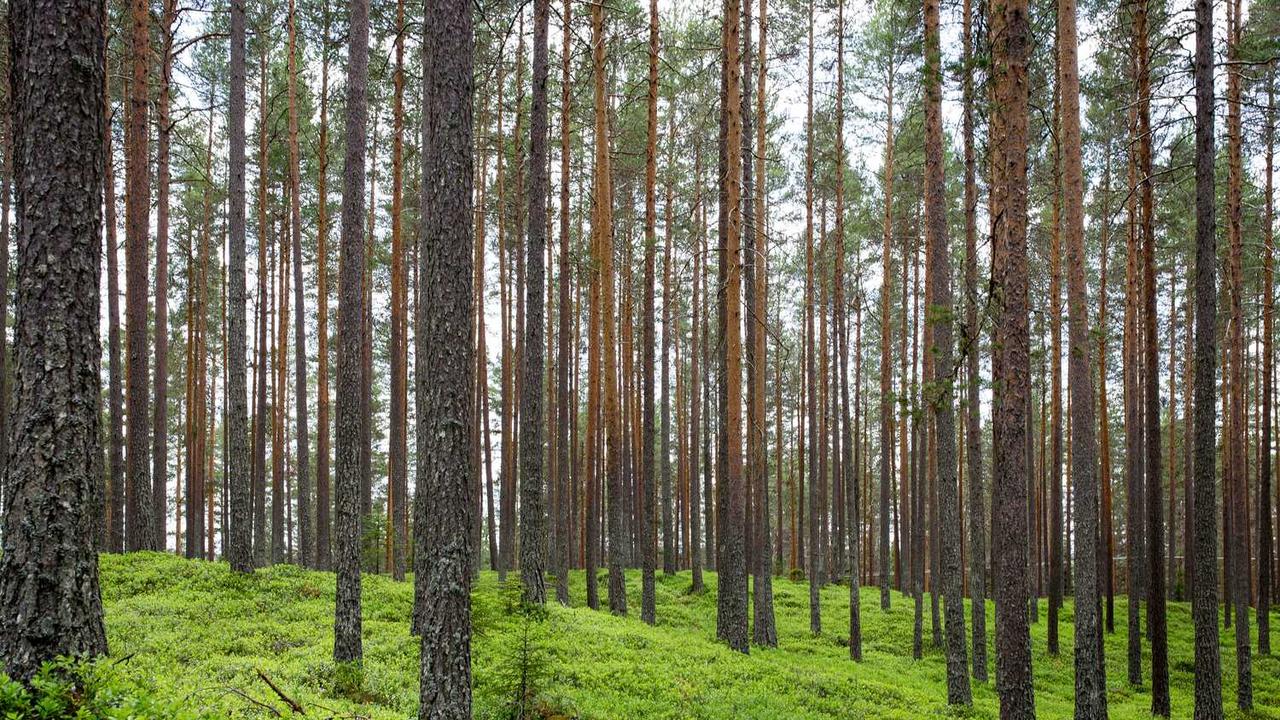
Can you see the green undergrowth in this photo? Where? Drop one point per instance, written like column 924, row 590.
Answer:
column 191, row 634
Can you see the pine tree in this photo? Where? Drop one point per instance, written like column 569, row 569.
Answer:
column 347, row 528
column 240, row 552
column 1010, row 34
column 54, row 477
column 533, row 529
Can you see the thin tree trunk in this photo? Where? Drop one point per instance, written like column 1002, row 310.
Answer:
column 115, row 515
column 141, row 523
column 941, row 405
column 648, row 517
column 1091, row 681
column 566, row 405
column 240, row 553
column 160, row 379
column 973, row 405
column 813, row 557
column 1237, row 538
column 323, row 549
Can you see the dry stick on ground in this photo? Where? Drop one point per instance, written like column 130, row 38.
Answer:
column 294, row 705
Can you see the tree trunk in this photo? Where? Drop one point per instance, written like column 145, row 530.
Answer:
column 1204, row 581
column 115, row 449
column 648, row 516
column 323, row 549
column 973, row 405
column 305, row 542
column 347, row 642
column 1266, row 547
column 1091, row 681
column 533, row 524
column 49, row 570
column 240, row 552
column 1237, row 540
column 566, row 404
column 445, row 345
column 811, row 375
column 141, row 524
column 1154, row 542
column 160, row 410
column 1010, row 33
column 941, row 406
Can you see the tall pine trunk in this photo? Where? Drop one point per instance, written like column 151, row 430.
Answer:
column 49, row 568
column 1011, row 35
column 347, row 528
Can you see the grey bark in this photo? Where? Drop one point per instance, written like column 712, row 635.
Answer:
column 240, row 552
column 347, row 433
column 50, row 603
column 1204, row 581
column 533, row 521
column 445, row 345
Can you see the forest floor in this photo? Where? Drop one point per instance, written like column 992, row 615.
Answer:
column 191, row 632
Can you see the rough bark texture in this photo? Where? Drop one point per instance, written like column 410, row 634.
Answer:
column 731, row 596
column 324, row 552
column 1091, row 681
column 764, row 626
column 303, row 465
column 1154, row 542
column 445, row 345
column 814, row 559
column 1204, row 581
column 139, row 517
column 533, row 522
column 347, row 478
column 647, row 510
column 942, row 409
column 240, row 552
column 115, row 402
column 49, row 595
column 1236, row 477
column 886, row 360
column 1266, row 541
column 566, row 404
column 1011, row 37
column 973, row 404
column 160, row 379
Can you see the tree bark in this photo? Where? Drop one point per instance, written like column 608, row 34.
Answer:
column 49, row 568
column 323, row 549
column 240, row 552
column 141, row 523
column 533, row 523
column 305, row 542
column 160, row 409
column 347, row 642
column 445, row 346
column 940, row 395
column 1091, row 681
column 1010, row 34
column 1204, row 581
column 648, row 516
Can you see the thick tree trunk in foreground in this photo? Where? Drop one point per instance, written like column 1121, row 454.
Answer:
column 347, row 478
column 50, row 604
column 1204, row 581
column 1010, row 33
column 445, row 345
